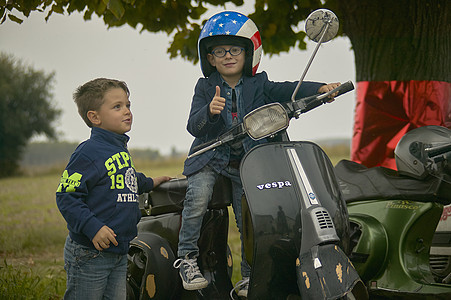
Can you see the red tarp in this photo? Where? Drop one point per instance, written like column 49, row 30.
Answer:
column 386, row 110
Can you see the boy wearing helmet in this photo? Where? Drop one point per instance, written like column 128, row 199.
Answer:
column 229, row 51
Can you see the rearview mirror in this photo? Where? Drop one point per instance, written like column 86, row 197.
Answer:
column 318, row 22
column 320, row 26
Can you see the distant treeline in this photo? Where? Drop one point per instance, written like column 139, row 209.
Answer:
column 58, row 153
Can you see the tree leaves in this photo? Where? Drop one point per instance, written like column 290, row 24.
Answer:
column 181, row 18
column 15, row 19
column 116, row 8
column 184, row 44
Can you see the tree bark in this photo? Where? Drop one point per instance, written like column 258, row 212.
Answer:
column 399, row 40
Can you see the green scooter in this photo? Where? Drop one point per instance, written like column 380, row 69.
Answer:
column 394, row 215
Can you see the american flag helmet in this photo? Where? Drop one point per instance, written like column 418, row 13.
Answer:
column 229, row 27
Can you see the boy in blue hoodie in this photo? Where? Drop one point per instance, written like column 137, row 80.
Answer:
column 98, row 194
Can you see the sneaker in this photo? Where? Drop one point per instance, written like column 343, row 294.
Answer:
column 192, row 278
column 242, row 286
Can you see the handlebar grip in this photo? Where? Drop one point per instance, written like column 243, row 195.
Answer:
column 345, row 87
column 435, row 151
column 204, row 145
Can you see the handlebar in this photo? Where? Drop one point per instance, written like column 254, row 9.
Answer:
column 207, row 144
column 315, row 101
column 438, row 150
column 341, row 89
column 292, row 109
column 233, row 133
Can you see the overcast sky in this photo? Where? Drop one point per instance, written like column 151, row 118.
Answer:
column 161, row 88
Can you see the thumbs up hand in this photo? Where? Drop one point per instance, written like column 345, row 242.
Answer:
column 217, row 104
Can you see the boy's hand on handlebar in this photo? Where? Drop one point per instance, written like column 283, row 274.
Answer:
column 218, row 103
column 329, row 87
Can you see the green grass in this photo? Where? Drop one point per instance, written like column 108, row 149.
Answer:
column 31, row 282
column 32, row 235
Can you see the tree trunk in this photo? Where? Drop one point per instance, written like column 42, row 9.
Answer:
column 403, row 71
column 399, row 40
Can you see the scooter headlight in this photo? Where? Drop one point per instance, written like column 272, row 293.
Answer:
column 266, row 120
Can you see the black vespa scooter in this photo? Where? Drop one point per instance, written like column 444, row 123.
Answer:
column 295, row 222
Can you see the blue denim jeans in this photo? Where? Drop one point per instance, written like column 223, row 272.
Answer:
column 198, row 195
column 93, row 274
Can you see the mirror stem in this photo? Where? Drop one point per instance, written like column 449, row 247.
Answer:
column 293, row 97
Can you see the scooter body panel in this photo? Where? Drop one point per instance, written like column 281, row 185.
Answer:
column 166, row 225
column 272, row 213
column 369, row 256
column 154, row 250
column 393, row 220
column 396, row 239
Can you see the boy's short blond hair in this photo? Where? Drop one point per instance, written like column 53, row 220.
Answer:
column 90, row 96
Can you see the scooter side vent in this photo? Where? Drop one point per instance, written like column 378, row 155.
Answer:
column 317, row 228
column 324, row 219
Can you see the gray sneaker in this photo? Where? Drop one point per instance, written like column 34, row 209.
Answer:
column 192, row 278
column 242, row 286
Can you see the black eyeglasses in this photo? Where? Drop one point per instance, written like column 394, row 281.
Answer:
column 221, row 52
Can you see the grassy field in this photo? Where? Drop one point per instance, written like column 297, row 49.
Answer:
column 32, row 232
column 32, row 235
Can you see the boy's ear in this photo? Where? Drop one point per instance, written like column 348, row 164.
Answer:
column 93, row 117
column 211, row 60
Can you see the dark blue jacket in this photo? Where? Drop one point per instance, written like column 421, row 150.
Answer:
column 257, row 91
column 100, row 187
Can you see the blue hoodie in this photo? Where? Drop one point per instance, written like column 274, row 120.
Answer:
column 100, row 187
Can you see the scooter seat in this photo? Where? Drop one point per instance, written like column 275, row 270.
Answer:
column 169, row 196
column 177, row 186
column 358, row 183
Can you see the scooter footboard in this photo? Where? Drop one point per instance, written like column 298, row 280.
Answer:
column 150, row 268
